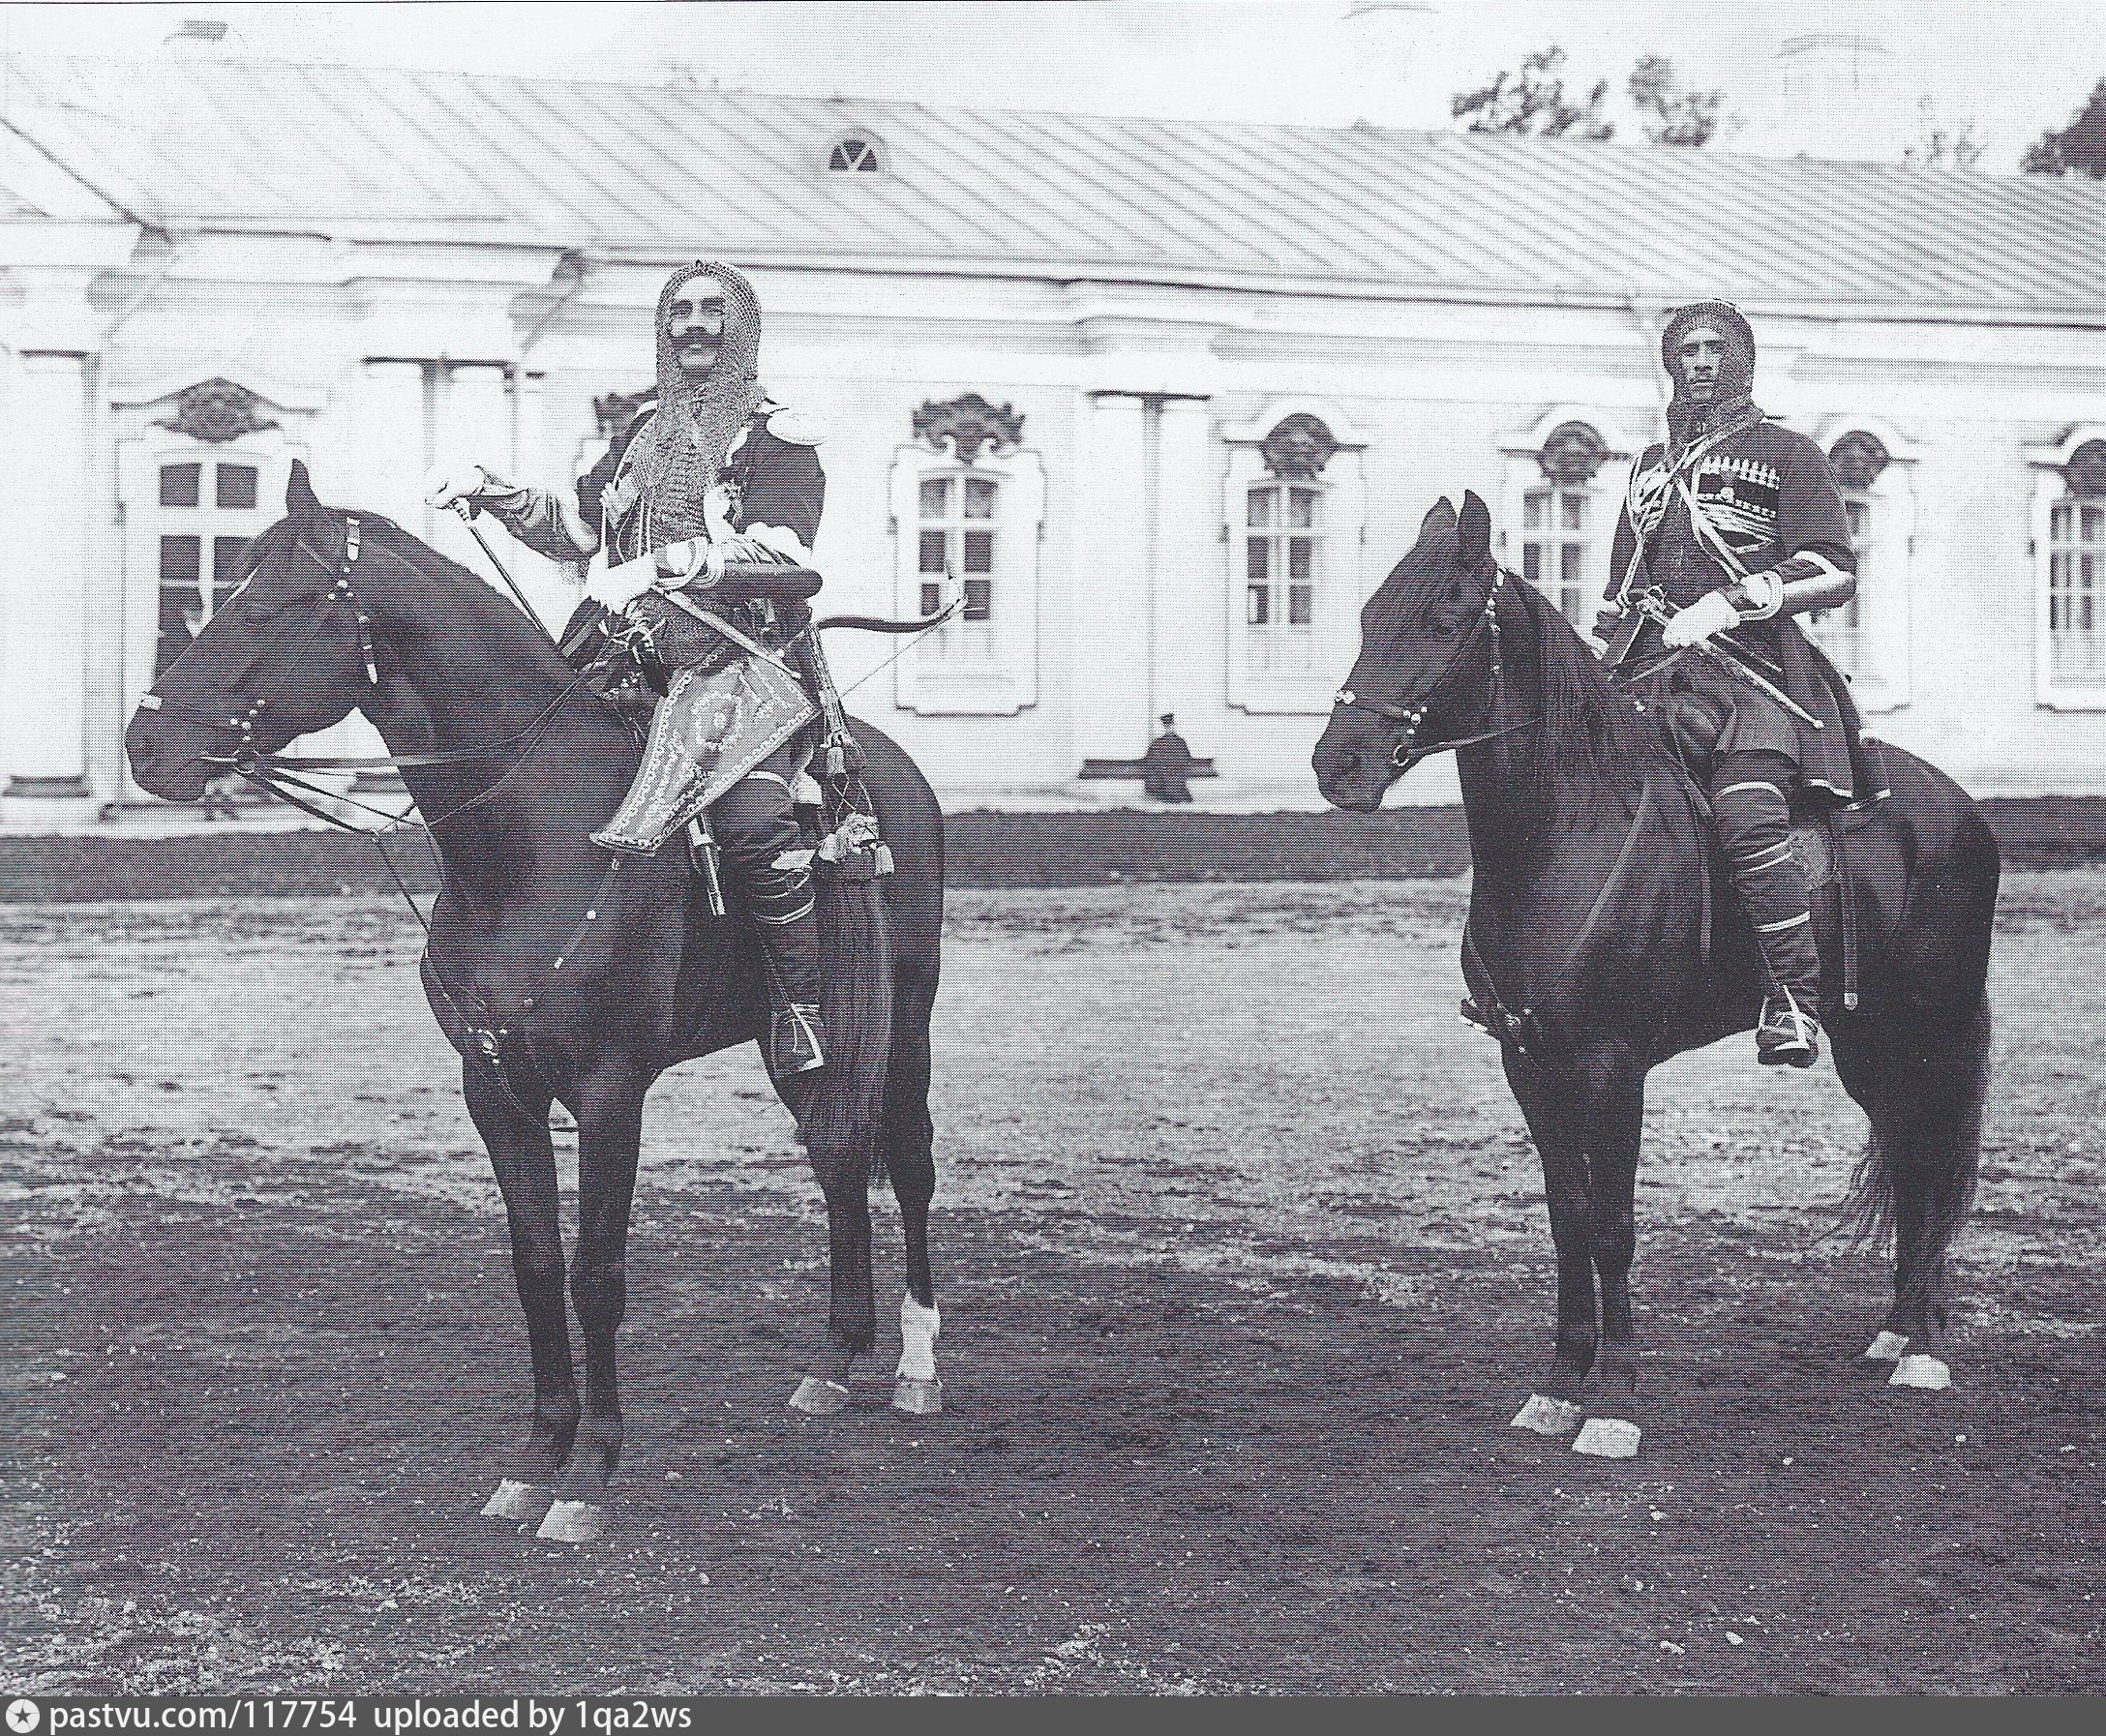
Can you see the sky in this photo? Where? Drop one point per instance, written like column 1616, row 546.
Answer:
column 2011, row 70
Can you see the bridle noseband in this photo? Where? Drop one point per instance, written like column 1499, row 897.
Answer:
column 1409, row 751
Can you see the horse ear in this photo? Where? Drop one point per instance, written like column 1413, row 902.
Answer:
column 1439, row 519
column 300, row 501
column 1473, row 531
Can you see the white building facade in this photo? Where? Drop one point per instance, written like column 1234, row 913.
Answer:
column 1162, row 463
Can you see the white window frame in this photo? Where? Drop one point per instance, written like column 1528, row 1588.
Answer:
column 2050, row 489
column 881, row 154
column 205, row 520
column 960, row 642
column 140, row 454
column 1522, row 476
column 140, row 462
column 1280, row 535
column 940, row 677
column 1339, row 569
column 1885, row 604
column 1554, row 537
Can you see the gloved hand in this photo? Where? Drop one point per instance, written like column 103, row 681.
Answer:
column 1709, row 615
column 616, row 587
column 444, row 484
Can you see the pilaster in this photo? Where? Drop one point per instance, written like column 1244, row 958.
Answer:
column 48, row 501
column 1109, row 675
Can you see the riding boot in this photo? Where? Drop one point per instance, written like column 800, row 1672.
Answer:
column 785, row 921
column 1754, row 821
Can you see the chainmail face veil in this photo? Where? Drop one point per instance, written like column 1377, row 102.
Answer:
column 1733, row 397
column 686, row 442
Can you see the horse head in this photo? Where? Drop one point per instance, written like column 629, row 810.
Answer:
column 288, row 651
column 1421, row 674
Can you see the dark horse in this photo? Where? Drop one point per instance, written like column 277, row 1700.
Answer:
column 559, row 970
column 1590, row 944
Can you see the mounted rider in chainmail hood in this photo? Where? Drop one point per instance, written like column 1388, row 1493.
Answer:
column 708, row 472
column 1737, row 523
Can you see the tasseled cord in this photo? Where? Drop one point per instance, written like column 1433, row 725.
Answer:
column 856, row 951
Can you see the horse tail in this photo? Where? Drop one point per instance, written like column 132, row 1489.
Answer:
column 1924, row 1154
column 856, row 963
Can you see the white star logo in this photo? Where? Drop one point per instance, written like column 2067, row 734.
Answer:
column 23, row 1717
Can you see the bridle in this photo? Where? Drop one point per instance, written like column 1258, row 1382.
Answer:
column 244, row 717
column 280, row 774
column 1410, row 750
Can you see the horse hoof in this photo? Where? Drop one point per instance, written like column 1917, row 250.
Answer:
column 573, row 1522
column 918, row 1397
column 1926, row 1374
column 1887, row 1347
column 524, row 1503
column 817, row 1397
column 1548, row 1415
column 1607, row 1437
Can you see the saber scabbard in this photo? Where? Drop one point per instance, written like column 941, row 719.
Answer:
column 1652, row 603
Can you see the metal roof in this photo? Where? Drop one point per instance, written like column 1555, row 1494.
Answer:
column 656, row 170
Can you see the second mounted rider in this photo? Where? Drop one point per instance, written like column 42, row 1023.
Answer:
column 710, row 488
column 1731, row 528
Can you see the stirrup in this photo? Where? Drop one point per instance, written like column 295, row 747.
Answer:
column 794, row 1043
column 1788, row 1034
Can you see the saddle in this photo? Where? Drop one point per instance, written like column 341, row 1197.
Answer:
column 709, row 702
column 1857, row 871
column 1855, row 875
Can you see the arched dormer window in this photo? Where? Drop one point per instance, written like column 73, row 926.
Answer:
column 856, row 154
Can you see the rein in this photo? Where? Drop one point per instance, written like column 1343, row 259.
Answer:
column 278, row 774
column 1410, row 750
column 1517, row 1030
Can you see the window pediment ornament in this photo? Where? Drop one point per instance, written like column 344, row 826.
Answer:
column 2085, row 475
column 967, row 426
column 1858, row 457
column 216, row 411
column 1572, row 454
column 1299, row 447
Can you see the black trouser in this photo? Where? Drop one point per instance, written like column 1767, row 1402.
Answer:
column 1750, row 809
column 755, row 826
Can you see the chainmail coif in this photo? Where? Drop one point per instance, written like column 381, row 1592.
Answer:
column 1733, row 397
column 686, row 442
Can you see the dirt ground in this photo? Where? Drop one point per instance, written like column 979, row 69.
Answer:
column 1244, row 1268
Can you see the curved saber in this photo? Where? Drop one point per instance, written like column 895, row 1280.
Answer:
column 875, row 623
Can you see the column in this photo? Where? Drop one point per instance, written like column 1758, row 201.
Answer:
column 393, row 446
column 1190, row 625
column 1108, row 677
column 43, row 587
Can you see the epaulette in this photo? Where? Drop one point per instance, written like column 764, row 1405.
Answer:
column 796, row 428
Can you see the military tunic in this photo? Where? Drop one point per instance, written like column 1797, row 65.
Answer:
column 1764, row 494
column 772, row 477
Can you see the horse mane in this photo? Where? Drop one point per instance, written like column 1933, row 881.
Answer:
column 475, row 597
column 1592, row 732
